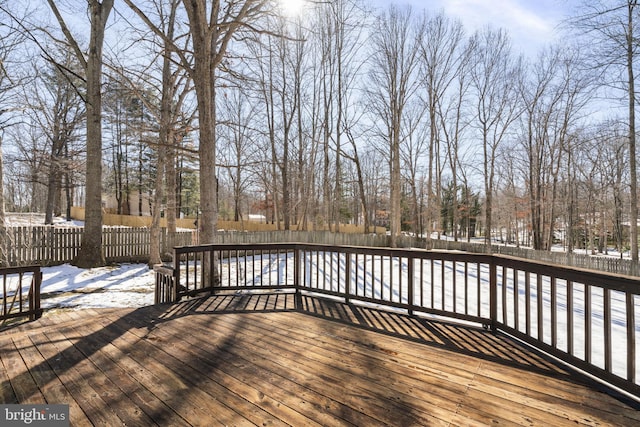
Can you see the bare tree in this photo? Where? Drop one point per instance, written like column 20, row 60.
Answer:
column 454, row 118
column 553, row 95
column 91, row 253
column 10, row 82
column 441, row 61
column 396, row 42
column 494, row 77
column 611, row 29
column 238, row 144
column 212, row 26
column 59, row 112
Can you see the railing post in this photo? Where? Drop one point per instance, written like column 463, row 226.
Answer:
column 297, row 277
column 347, row 285
column 35, row 295
column 493, row 298
column 410, row 279
column 176, row 277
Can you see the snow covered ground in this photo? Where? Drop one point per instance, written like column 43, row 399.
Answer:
column 66, row 286
column 126, row 285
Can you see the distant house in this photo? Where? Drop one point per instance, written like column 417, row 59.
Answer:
column 110, row 204
column 256, row 218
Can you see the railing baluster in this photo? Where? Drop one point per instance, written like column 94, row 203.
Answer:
column 631, row 337
column 527, row 306
column 455, row 286
column 570, row 317
column 554, row 313
column 587, row 323
column 466, row 287
column 433, row 289
column 389, row 285
column 347, row 284
column 516, row 305
column 442, row 287
column 479, row 286
column 504, row 295
column 608, row 362
column 493, row 296
column 410, row 290
column 540, row 307
column 421, row 282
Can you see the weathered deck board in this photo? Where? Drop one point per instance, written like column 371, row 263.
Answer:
column 251, row 360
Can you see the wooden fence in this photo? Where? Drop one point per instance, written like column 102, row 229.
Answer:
column 591, row 262
column 50, row 245
column 600, row 262
column 289, row 236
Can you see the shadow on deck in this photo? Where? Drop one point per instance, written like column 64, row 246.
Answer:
column 243, row 359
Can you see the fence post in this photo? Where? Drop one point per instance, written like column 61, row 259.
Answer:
column 493, row 298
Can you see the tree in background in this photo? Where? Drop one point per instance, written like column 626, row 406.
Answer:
column 494, row 74
column 396, row 42
column 56, row 108
column 611, row 35
column 10, row 81
column 91, row 253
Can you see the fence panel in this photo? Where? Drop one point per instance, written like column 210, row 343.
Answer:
column 599, row 262
column 50, row 245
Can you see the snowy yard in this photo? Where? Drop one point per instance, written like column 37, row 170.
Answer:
column 118, row 286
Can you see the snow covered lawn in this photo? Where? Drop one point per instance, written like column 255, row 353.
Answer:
column 117, row 286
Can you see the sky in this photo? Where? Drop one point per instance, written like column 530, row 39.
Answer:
column 532, row 24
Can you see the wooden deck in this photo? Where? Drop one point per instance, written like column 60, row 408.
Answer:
column 252, row 360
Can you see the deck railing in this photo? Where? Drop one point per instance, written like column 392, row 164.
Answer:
column 20, row 295
column 585, row 318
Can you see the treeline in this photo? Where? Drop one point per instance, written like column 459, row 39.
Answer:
column 392, row 117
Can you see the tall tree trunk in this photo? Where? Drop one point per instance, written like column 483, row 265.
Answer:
column 91, row 253
column 633, row 220
column 165, row 141
column 4, row 256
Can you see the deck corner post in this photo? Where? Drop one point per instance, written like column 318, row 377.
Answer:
column 35, row 303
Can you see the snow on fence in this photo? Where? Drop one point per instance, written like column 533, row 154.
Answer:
column 585, row 318
column 51, row 245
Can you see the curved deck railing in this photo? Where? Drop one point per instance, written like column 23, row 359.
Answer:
column 584, row 318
